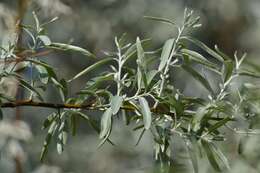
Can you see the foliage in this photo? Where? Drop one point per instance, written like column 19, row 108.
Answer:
column 138, row 85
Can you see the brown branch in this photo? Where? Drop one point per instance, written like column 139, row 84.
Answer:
column 46, row 105
column 88, row 106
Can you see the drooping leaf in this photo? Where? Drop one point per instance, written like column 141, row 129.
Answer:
column 228, row 70
column 166, row 52
column 68, row 47
column 140, row 137
column 198, row 77
column 116, row 103
column 146, row 112
column 159, row 19
column 204, row 47
column 48, row 138
column 201, row 60
column 211, row 155
column 106, row 122
column 193, row 151
column 92, row 67
column 215, row 156
column 218, row 124
column 48, row 121
column 27, row 86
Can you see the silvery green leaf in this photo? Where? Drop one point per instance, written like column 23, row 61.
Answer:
column 160, row 19
column 227, row 70
column 116, row 103
column 92, row 67
column 106, row 122
column 68, row 47
column 204, row 47
column 198, row 77
column 146, row 112
column 166, row 52
column 201, row 60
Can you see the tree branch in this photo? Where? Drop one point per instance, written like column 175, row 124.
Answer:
column 88, row 106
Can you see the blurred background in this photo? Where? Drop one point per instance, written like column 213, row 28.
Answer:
column 93, row 24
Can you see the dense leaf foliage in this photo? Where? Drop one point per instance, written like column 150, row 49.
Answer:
column 139, row 86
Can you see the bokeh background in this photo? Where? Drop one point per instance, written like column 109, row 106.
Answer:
column 93, row 24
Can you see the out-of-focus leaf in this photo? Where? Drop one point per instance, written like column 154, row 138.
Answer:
column 193, row 151
column 47, row 122
column 1, row 114
column 48, row 138
column 244, row 72
column 166, row 52
column 219, row 124
column 201, row 60
column 215, row 156
column 140, row 137
column 159, row 19
column 45, row 39
column 211, row 155
column 141, row 71
column 68, row 47
column 43, row 74
column 92, row 67
column 106, row 122
column 204, row 47
column 27, row 86
column 49, row 69
column 116, row 103
column 146, row 112
column 198, row 77
column 73, row 124
column 228, row 70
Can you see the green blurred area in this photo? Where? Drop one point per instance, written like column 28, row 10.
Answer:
column 93, row 24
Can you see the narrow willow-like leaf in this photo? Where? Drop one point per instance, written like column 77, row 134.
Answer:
column 27, row 86
column 106, row 122
column 49, row 69
column 204, row 47
column 228, row 70
column 198, row 77
column 221, row 156
column 48, row 138
column 146, row 112
column 140, row 137
column 218, row 124
column 192, row 150
column 92, row 67
column 244, row 72
column 159, row 19
column 68, row 47
column 141, row 75
column 211, row 155
column 116, row 103
column 132, row 50
column 47, row 122
column 59, row 145
column 166, row 52
column 201, row 60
